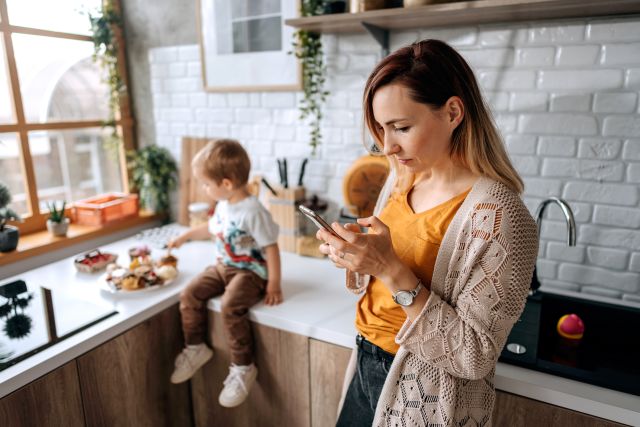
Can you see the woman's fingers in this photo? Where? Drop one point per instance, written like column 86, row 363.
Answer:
column 375, row 224
column 334, row 241
column 325, row 248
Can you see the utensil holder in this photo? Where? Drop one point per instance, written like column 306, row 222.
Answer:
column 284, row 210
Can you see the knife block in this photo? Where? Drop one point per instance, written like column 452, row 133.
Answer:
column 284, row 210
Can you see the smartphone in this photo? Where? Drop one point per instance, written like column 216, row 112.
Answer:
column 318, row 220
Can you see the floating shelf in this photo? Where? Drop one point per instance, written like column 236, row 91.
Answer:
column 464, row 13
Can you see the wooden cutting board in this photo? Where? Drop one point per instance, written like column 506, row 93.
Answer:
column 190, row 189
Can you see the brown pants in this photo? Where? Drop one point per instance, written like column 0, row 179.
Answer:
column 240, row 290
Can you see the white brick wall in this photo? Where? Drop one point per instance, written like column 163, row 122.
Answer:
column 564, row 94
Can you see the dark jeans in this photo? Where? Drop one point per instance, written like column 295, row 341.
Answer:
column 364, row 391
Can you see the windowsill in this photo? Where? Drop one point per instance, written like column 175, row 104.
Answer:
column 42, row 242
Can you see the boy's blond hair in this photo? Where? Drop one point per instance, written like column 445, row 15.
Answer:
column 223, row 158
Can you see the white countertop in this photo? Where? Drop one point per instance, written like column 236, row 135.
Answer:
column 316, row 305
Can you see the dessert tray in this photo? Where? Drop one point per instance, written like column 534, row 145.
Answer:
column 141, row 275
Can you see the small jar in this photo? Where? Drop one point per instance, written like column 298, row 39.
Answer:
column 198, row 213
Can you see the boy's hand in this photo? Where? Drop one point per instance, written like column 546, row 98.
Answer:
column 177, row 242
column 274, row 294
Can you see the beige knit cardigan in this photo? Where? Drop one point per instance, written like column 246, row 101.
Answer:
column 443, row 373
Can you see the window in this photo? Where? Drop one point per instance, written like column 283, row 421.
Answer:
column 53, row 101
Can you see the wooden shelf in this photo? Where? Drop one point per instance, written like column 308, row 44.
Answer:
column 464, row 13
column 42, row 242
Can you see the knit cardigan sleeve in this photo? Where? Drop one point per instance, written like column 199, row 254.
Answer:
column 487, row 281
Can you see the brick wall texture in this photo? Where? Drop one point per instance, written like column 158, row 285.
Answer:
column 564, row 95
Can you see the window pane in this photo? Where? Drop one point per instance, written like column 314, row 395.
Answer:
column 6, row 104
column 257, row 35
column 11, row 172
column 58, row 80
column 73, row 164
column 60, row 15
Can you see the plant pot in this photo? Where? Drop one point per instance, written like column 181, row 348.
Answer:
column 335, row 6
column 9, row 238
column 58, row 228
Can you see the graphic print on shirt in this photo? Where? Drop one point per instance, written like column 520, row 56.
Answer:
column 238, row 249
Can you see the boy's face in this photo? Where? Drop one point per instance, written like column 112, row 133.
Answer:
column 215, row 191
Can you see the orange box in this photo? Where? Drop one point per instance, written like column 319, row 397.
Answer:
column 105, row 208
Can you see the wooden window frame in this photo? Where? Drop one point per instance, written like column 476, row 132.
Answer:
column 36, row 221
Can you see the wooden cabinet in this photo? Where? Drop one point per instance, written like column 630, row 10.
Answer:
column 125, row 382
column 280, row 396
column 514, row 411
column 52, row 400
column 328, row 363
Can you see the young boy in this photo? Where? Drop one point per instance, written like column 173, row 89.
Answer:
column 248, row 268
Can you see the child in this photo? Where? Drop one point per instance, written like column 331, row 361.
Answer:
column 248, row 268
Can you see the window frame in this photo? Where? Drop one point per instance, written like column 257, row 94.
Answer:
column 124, row 122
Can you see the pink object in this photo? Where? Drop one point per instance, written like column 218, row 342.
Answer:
column 571, row 326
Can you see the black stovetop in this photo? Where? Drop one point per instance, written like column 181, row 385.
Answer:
column 33, row 318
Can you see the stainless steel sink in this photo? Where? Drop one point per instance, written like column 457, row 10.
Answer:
column 606, row 356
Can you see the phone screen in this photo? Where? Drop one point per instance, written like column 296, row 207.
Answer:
column 318, row 220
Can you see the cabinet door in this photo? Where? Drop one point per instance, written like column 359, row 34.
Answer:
column 280, row 396
column 514, row 411
column 328, row 363
column 125, row 382
column 53, row 400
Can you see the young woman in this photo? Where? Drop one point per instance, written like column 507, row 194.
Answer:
column 447, row 261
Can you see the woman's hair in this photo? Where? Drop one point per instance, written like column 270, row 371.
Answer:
column 224, row 158
column 433, row 72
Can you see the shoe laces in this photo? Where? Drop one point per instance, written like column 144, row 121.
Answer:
column 186, row 356
column 236, row 376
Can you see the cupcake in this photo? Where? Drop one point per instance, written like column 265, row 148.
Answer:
column 167, row 272
column 168, row 260
column 131, row 283
column 139, row 251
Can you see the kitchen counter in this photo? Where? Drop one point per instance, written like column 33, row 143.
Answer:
column 316, row 305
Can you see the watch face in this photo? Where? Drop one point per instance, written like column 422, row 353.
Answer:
column 404, row 298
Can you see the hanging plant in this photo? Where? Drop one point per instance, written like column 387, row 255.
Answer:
column 105, row 52
column 307, row 47
column 153, row 174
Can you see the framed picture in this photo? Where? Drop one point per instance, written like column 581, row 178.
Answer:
column 244, row 45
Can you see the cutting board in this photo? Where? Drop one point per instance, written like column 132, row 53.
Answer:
column 190, row 189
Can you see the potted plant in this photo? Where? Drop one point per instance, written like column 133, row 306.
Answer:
column 154, row 175
column 8, row 233
column 104, row 24
column 307, row 46
column 58, row 222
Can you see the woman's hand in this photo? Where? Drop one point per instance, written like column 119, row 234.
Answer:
column 363, row 253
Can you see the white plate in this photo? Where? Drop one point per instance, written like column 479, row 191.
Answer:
column 106, row 286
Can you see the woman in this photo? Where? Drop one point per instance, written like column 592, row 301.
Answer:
column 447, row 261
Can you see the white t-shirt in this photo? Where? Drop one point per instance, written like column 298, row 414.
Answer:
column 241, row 231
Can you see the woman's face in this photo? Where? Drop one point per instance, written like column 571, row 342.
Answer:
column 415, row 134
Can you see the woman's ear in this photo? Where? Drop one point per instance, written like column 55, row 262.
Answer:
column 455, row 110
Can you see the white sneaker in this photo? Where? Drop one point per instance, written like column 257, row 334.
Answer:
column 237, row 385
column 189, row 361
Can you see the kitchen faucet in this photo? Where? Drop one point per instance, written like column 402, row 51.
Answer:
column 571, row 230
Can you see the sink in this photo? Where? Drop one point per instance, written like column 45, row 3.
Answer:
column 606, row 356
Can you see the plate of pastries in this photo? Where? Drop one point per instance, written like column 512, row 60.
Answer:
column 142, row 274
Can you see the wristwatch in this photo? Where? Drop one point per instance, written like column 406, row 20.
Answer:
column 405, row 298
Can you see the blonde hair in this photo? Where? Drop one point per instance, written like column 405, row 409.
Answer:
column 433, row 72
column 223, row 158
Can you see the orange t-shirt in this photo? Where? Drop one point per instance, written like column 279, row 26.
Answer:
column 416, row 239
